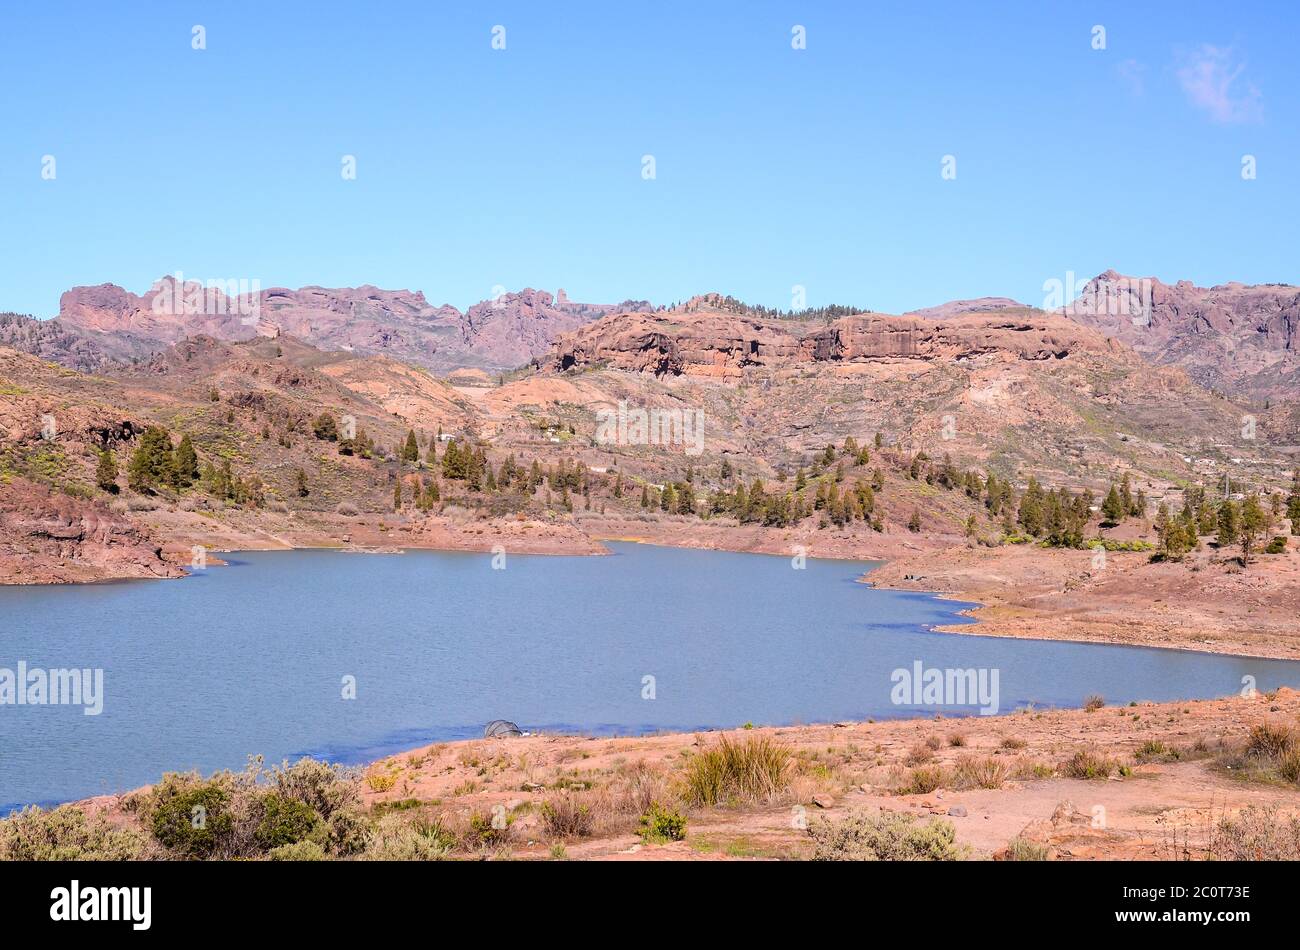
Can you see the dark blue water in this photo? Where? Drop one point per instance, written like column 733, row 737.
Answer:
column 203, row 671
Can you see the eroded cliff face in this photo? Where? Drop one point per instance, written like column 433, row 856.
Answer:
column 1235, row 338
column 47, row 537
column 501, row 333
column 704, row 343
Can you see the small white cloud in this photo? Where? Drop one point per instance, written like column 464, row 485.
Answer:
column 1133, row 73
column 1211, row 77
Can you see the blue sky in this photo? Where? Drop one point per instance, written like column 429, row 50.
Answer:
column 774, row 167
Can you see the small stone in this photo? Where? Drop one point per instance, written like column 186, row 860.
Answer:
column 957, row 811
column 823, row 801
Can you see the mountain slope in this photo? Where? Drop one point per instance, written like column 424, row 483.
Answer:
column 497, row 334
column 1235, row 338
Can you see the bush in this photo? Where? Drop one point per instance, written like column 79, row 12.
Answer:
column 489, row 831
column 1270, row 741
column 1021, row 849
column 1276, row 546
column 658, row 825
column 286, row 821
column 1153, row 750
column 190, row 816
column 889, row 836
column 1289, row 766
column 1088, row 764
column 1259, row 833
column 347, row 509
column 67, row 834
column 1093, row 703
column 923, row 781
column 752, row 770
column 985, row 772
column 568, row 815
column 299, row 851
column 398, row 838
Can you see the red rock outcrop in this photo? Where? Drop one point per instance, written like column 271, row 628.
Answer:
column 703, row 343
column 1235, row 338
column 504, row 332
column 49, row 538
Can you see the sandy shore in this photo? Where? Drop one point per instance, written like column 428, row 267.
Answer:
column 1150, row 806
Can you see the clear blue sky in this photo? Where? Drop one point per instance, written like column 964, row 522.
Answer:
column 522, row 167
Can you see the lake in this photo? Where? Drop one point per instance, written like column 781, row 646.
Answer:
column 198, row 673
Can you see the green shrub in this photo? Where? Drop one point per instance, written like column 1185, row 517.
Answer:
column 1270, row 741
column 286, row 821
column 1153, row 750
column 981, row 772
column 67, row 834
column 1289, row 766
column 485, row 832
column 1021, row 849
column 660, row 825
column 889, row 836
column 923, row 781
column 190, row 816
column 752, row 770
column 568, row 815
column 1276, row 546
column 1093, row 703
column 1088, row 764
column 298, row 851
column 398, row 838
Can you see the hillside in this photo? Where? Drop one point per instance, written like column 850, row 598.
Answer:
column 973, row 451
column 494, row 334
column 1243, row 340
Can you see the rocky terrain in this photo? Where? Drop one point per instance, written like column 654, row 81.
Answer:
column 50, row 537
column 496, row 334
column 1234, row 338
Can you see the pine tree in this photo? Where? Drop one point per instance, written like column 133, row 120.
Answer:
column 1293, row 503
column 397, row 494
column 325, row 428
column 152, row 465
column 1229, row 529
column 1253, row 523
column 106, row 472
column 431, row 456
column 300, row 483
column 1031, row 508
column 1126, row 494
column 186, row 463
column 914, row 523
column 1113, row 508
column 411, row 450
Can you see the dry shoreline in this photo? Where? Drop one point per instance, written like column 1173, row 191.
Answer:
column 1168, row 783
